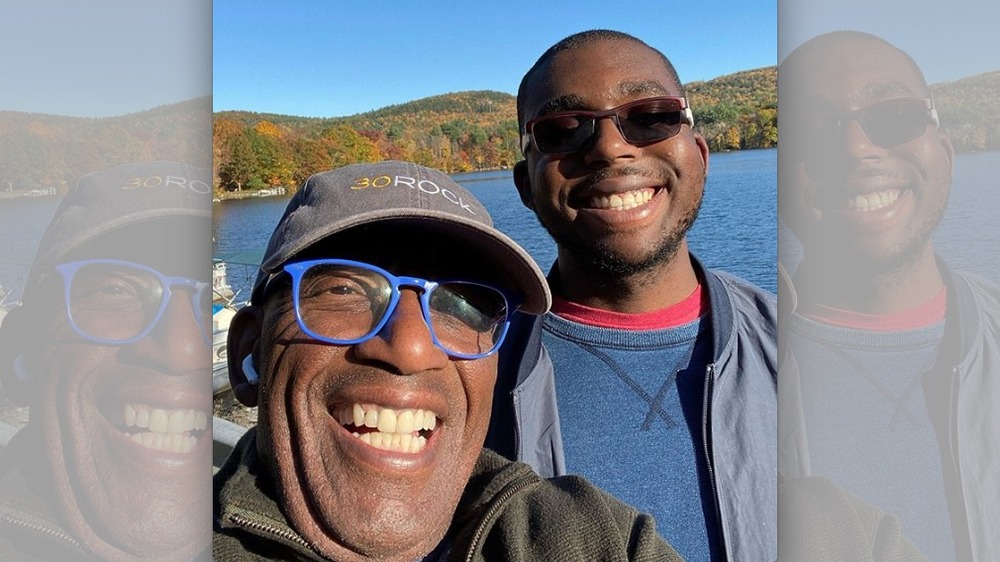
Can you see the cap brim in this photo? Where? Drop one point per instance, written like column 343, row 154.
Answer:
column 518, row 266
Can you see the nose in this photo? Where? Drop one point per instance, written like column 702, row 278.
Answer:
column 176, row 345
column 405, row 342
column 854, row 141
column 608, row 144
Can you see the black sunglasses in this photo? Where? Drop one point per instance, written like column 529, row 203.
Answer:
column 639, row 122
column 887, row 124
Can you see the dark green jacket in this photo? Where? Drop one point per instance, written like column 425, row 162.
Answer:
column 30, row 529
column 506, row 513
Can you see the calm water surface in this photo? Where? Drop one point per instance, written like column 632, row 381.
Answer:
column 736, row 230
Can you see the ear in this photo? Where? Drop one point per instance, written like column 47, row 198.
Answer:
column 244, row 334
column 949, row 150
column 16, row 335
column 703, row 148
column 523, row 183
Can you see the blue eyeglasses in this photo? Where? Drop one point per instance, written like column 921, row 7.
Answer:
column 347, row 302
column 118, row 302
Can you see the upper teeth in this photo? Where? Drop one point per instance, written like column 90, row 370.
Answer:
column 873, row 201
column 624, row 201
column 168, row 429
column 396, row 429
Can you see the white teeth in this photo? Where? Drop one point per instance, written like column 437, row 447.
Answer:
column 371, row 418
column 166, row 442
column 158, row 420
column 396, row 430
column 872, row 201
column 404, row 422
column 387, row 421
column 624, row 201
column 142, row 417
column 168, row 429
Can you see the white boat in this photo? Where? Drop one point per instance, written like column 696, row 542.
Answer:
column 226, row 301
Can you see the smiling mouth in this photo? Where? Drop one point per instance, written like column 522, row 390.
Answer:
column 622, row 201
column 158, row 429
column 402, row 431
column 871, row 201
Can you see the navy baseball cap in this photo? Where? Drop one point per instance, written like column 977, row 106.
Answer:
column 392, row 191
column 104, row 202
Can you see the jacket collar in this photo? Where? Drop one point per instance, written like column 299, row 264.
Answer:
column 245, row 503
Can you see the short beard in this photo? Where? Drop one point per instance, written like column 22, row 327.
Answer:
column 604, row 261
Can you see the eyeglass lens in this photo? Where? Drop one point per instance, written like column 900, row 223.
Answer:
column 895, row 122
column 344, row 303
column 116, row 302
column 639, row 122
column 887, row 124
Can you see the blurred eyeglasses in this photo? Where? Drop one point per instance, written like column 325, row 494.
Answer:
column 639, row 122
column 119, row 302
column 347, row 302
column 887, row 124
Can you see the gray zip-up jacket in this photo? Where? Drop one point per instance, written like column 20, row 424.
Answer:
column 964, row 408
column 740, row 414
column 506, row 513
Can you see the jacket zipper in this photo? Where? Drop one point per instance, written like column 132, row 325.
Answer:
column 709, row 458
column 953, row 422
column 54, row 533
column 505, row 494
column 286, row 534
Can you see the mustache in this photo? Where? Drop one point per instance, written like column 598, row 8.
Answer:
column 864, row 174
column 659, row 172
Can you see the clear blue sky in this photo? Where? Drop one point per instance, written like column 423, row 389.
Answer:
column 97, row 58
column 327, row 59
column 949, row 39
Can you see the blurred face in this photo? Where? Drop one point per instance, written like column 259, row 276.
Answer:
column 371, row 445
column 864, row 174
column 614, row 205
column 126, row 425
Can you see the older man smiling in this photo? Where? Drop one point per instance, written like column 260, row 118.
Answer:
column 373, row 325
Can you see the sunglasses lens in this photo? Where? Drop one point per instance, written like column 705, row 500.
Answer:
column 642, row 121
column 650, row 121
column 895, row 122
column 563, row 133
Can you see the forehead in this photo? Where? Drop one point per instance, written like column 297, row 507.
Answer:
column 852, row 74
column 600, row 75
column 403, row 249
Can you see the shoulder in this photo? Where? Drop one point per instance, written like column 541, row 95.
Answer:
column 986, row 293
column 753, row 310
column 567, row 518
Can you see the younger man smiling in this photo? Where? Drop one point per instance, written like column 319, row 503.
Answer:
column 649, row 356
column 381, row 300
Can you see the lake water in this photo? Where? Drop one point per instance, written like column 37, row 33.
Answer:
column 736, row 230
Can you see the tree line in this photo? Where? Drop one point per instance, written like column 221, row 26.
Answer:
column 456, row 132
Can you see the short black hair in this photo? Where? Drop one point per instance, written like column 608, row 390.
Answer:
column 578, row 40
column 836, row 39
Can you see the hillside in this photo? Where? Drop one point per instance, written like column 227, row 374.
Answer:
column 456, row 132
column 969, row 110
column 39, row 151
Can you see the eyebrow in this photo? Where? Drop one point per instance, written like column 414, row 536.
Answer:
column 575, row 102
column 642, row 87
column 569, row 102
column 881, row 89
